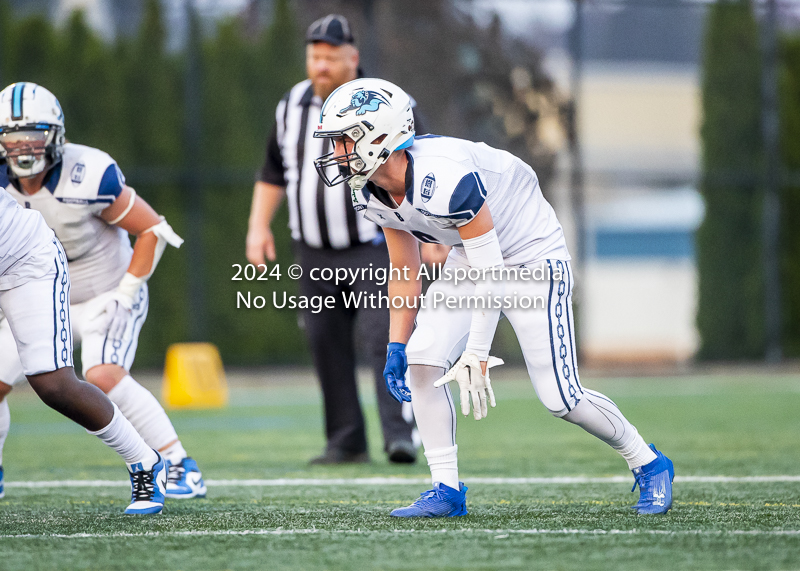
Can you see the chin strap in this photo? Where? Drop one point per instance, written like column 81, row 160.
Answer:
column 358, row 182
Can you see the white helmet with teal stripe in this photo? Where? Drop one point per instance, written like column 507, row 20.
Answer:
column 31, row 129
column 377, row 116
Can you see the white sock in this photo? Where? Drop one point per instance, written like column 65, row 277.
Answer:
column 636, row 452
column 443, row 463
column 145, row 413
column 125, row 441
column 598, row 415
column 174, row 452
column 5, row 424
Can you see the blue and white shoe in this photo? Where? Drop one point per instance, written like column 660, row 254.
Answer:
column 441, row 501
column 185, row 480
column 2, row 489
column 655, row 485
column 148, row 487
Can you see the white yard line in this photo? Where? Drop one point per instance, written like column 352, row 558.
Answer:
column 285, row 482
column 497, row 533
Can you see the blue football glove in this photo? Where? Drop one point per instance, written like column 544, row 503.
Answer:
column 395, row 372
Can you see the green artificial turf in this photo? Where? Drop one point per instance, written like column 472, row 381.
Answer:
column 710, row 426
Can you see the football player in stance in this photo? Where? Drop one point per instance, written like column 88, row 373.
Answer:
column 82, row 195
column 487, row 204
column 34, row 300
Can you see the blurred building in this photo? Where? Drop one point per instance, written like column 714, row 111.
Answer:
column 639, row 119
column 639, row 113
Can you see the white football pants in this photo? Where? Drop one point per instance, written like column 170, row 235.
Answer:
column 541, row 315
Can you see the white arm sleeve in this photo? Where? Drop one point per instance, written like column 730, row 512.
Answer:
column 484, row 253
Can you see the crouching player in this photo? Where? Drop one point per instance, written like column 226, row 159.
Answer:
column 34, row 300
column 82, row 195
column 487, row 204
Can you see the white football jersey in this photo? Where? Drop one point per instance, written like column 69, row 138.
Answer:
column 448, row 181
column 75, row 192
column 23, row 235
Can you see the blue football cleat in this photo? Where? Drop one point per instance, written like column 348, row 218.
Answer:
column 441, row 501
column 655, row 485
column 148, row 487
column 2, row 490
column 185, row 480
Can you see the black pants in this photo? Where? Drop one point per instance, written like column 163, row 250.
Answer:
column 331, row 335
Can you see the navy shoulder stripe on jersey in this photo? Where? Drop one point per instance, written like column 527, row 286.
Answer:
column 468, row 197
column 112, row 183
column 52, row 177
column 4, row 180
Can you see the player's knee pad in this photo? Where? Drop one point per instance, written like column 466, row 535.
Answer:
column 558, row 413
column 549, row 390
column 421, row 342
column 552, row 402
column 435, row 348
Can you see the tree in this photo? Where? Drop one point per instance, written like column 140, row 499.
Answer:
column 790, row 193
column 245, row 77
column 730, row 316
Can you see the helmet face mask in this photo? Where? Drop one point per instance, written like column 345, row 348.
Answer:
column 350, row 164
column 373, row 118
column 31, row 129
column 26, row 150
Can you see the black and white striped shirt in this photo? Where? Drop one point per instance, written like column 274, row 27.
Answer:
column 320, row 216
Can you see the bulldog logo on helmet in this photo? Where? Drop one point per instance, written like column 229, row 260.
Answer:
column 363, row 101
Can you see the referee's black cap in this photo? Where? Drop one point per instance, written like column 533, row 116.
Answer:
column 333, row 29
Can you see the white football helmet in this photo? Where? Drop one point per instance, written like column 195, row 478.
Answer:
column 376, row 116
column 31, row 129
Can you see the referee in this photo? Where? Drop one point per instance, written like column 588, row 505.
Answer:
column 326, row 233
